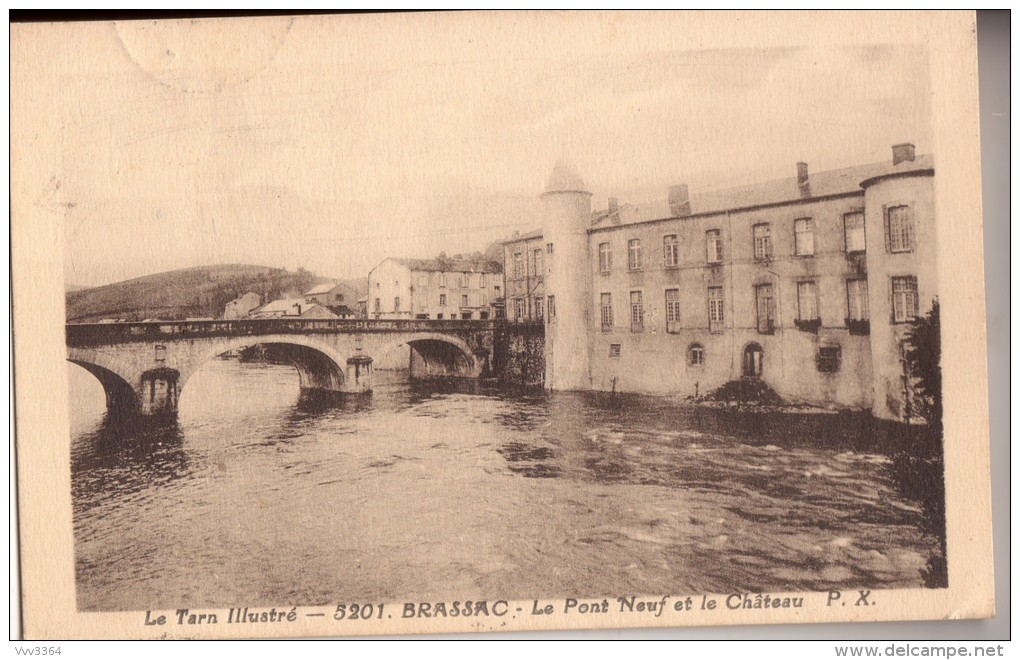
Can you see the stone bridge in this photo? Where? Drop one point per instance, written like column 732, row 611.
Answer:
column 143, row 367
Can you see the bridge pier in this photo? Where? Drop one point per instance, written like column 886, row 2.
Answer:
column 158, row 392
column 359, row 374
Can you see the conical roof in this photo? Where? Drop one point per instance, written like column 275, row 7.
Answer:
column 564, row 178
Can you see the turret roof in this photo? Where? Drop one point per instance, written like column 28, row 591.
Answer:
column 564, row 178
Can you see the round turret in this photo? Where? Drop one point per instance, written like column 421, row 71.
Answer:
column 566, row 218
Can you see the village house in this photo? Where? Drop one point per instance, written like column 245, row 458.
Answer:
column 442, row 288
column 241, row 307
column 806, row 283
column 339, row 298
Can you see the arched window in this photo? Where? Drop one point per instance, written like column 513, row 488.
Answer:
column 695, row 355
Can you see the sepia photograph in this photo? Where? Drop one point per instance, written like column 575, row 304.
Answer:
column 447, row 322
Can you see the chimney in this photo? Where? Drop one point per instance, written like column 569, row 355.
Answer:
column 679, row 200
column 902, row 152
column 614, row 205
column 802, row 174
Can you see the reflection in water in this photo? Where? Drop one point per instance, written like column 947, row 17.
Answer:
column 456, row 490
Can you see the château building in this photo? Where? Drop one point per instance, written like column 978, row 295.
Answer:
column 806, row 283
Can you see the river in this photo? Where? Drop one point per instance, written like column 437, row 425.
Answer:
column 259, row 495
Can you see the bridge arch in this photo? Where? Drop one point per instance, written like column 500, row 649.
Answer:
column 121, row 398
column 320, row 366
column 434, row 354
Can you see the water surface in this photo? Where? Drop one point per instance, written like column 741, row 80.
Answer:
column 259, row 496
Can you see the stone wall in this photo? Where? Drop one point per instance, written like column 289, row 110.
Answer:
column 519, row 354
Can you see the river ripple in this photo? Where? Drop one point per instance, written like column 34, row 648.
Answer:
column 260, row 496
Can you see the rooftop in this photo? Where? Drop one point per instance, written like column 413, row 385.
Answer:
column 780, row 191
column 321, row 288
column 524, row 237
column 452, row 265
column 283, row 305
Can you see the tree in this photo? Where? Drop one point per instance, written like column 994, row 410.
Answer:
column 923, row 355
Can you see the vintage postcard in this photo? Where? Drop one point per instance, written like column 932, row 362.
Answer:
column 410, row 323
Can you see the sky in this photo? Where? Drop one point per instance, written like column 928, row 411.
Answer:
column 331, row 143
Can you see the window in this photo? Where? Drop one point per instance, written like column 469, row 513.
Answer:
column 713, row 241
column 484, row 300
column 518, row 308
column 466, row 316
column 482, row 281
column 614, row 350
column 439, row 316
column 670, row 251
column 904, row 299
column 857, row 300
column 606, row 303
column 378, row 305
column 538, row 308
column 762, row 241
column 672, row 310
column 853, row 231
column 464, row 300
column 716, row 317
column 765, row 308
column 899, row 229
column 423, row 281
column 536, row 262
column 634, row 254
column 605, row 258
column 442, row 280
column 548, row 248
column 804, row 237
column 807, row 301
column 396, row 304
column 550, row 306
column 696, row 355
column 828, row 359
column 518, row 265
column 442, row 300
column 637, row 312
column 465, row 281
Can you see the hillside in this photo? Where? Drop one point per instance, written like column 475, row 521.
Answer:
column 189, row 293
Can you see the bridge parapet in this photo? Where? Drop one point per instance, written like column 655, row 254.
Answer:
column 99, row 334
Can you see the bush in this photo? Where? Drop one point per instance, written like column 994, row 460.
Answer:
column 923, row 356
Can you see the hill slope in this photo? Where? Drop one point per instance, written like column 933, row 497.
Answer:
column 188, row 293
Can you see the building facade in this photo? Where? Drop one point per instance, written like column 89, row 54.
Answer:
column 442, row 288
column 807, row 284
column 523, row 277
